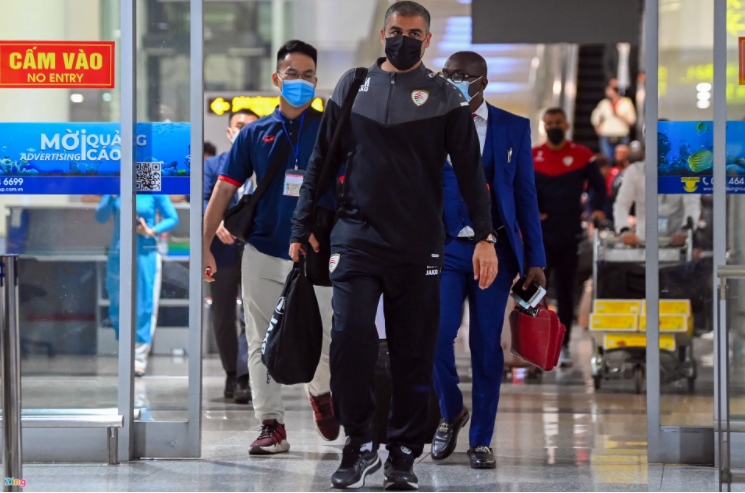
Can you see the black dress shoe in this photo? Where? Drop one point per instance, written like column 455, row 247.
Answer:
column 446, row 437
column 482, row 458
column 230, row 384
column 242, row 392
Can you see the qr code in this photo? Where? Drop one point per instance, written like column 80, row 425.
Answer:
column 148, row 177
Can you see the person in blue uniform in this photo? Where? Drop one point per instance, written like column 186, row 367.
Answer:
column 508, row 169
column 147, row 264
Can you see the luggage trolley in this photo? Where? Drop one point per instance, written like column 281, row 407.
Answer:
column 618, row 326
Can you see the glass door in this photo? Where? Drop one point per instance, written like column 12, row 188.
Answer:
column 166, row 88
column 59, row 143
column 681, row 151
column 96, row 167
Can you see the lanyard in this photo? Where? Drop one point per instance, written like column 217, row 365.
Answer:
column 295, row 149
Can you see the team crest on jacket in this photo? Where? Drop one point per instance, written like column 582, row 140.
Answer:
column 419, row 97
column 334, row 262
column 568, row 161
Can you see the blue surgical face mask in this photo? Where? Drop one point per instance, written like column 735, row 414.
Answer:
column 298, row 92
column 463, row 86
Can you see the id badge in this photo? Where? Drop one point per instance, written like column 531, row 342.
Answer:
column 662, row 224
column 293, row 182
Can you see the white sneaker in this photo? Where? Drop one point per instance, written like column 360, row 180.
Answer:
column 565, row 358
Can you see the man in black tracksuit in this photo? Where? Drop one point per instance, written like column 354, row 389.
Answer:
column 389, row 239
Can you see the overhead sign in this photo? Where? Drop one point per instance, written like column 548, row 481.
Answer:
column 261, row 105
column 57, row 64
column 565, row 21
column 85, row 158
column 685, row 153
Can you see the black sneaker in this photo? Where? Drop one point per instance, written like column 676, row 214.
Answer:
column 242, row 392
column 230, row 384
column 399, row 472
column 355, row 466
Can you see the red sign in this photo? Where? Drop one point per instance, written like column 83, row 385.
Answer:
column 60, row 64
column 741, row 56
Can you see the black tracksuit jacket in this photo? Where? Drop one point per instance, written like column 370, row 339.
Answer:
column 401, row 130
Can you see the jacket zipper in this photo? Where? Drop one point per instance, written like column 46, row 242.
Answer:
column 390, row 93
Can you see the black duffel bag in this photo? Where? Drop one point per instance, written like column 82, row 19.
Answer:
column 292, row 346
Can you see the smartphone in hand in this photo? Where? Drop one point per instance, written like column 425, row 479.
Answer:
column 529, row 297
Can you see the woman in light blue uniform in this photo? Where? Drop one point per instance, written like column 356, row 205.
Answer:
column 147, row 264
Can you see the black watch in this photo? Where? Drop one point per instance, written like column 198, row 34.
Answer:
column 492, row 238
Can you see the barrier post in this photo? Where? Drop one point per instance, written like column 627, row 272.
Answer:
column 10, row 372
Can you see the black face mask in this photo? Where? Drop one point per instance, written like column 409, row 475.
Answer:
column 403, row 51
column 555, row 135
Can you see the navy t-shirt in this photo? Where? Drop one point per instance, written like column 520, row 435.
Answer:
column 254, row 151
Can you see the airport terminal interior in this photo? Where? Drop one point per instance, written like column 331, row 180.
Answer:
column 648, row 396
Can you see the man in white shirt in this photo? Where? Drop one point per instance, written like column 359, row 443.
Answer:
column 613, row 118
column 673, row 210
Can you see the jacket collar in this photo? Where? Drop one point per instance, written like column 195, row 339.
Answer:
column 419, row 71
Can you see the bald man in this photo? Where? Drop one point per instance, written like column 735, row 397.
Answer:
column 508, row 168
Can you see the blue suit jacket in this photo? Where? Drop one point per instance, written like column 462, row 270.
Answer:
column 513, row 185
column 225, row 255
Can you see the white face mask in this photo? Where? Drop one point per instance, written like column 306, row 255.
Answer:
column 233, row 135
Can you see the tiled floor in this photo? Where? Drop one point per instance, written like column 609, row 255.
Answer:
column 558, row 436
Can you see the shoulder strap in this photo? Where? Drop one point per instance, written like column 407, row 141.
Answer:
column 360, row 74
column 280, row 162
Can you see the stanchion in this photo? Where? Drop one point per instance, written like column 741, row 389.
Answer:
column 10, row 379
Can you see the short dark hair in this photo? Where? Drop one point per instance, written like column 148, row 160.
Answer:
column 209, row 148
column 474, row 58
column 244, row 111
column 407, row 9
column 555, row 111
column 297, row 46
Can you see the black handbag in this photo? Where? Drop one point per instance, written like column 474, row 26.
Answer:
column 292, row 346
column 317, row 263
column 239, row 219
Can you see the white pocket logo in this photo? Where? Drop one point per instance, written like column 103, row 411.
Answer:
column 334, row 262
column 419, row 97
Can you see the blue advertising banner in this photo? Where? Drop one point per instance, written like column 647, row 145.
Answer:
column 85, row 158
column 686, row 157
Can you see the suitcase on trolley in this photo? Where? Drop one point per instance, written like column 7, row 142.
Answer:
column 537, row 339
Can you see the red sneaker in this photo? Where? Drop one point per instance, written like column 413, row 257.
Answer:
column 272, row 439
column 326, row 423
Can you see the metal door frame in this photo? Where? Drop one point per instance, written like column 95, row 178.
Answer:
column 679, row 444
column 164, row 439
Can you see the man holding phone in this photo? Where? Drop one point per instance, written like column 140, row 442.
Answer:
column 508, row 168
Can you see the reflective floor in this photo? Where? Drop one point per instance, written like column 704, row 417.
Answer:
column 557, row 436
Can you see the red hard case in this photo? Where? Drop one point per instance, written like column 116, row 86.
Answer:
column 537, row 339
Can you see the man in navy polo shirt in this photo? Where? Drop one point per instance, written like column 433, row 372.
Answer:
column 266, row 262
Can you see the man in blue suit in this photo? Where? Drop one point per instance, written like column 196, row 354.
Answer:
column 226, row 288
column 508, row 167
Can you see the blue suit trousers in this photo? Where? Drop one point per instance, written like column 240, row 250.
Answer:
column 486, row 318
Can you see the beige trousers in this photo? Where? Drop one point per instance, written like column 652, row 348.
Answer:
column 263, row 278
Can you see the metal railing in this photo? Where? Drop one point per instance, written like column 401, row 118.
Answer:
column 10, row 381
column 723, row 426
column 10, row 344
